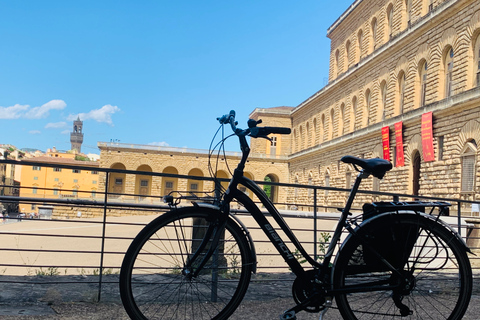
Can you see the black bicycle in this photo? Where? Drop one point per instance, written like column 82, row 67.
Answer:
column 398, row 260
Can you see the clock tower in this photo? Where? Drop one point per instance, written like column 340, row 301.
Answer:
column 76, row 137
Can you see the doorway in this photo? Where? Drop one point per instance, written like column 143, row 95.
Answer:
column 416, row 163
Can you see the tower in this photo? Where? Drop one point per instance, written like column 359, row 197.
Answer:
column 76, row 137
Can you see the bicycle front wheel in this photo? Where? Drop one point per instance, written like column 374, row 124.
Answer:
column 156, row 278
column 433, row 278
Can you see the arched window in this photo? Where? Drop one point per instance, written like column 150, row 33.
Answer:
column 383, row 103
column 448, row 73
column 314, row 133
column 390, row 20
column 408, row 14
column 401, row 92
column 476, row 66
column 468, row 157
column 322, row 129
column 423, row 72
column 353, row 114
column 341, row 120
column 295, row 139
column 360, row 44
column 301, row 138
column 332, row 123
column 368, row 105
column 374, row 33
column 337, row 63
column 347, row 54
column 307, row 135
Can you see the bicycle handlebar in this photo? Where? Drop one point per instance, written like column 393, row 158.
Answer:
column 253, row 130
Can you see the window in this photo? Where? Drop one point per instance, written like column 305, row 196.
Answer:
column 477, row 61
column 194, row 187
column 35, row 178
column 75, row 180
column 76, row 171
column 348, row 180
column 440, row 147
column 449, row 73
column 341, row 119
column 468, row 166
column 143, row 183
column 75, row 192
column 383, row 107
column 169, row 184
column 374, row 33
column 423, row 84
column 332, row 122
column 94, row 172
column 360, row 44
column 353, row 114
column 34, row 190
column 35, row 168
column 55, row 192
column 57, row 169
column 56, row 179
column 390, row 20
column 327, row 182
column 118, row 181
column 368, row 101
column 94, row 194
column 401, row 93
column 94, row 181
column 347, row 54
column 273, row 146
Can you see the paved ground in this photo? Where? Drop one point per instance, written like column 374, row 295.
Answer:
column 39, row 300
column 39, row 296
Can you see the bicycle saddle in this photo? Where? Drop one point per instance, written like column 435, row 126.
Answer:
column 376, row 166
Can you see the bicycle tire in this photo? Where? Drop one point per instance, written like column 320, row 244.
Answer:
column 154, row 284
column 434, row 261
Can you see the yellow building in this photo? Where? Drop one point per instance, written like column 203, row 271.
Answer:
column 51, row 182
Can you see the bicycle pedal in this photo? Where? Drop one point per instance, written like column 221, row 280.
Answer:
column 290, row 315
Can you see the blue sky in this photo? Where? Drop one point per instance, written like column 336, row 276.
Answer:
column 154, row 72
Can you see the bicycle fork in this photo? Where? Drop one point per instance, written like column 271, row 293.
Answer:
column 212, row 236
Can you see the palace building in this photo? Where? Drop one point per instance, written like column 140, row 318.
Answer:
column 404, row 85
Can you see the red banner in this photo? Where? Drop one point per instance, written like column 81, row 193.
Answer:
column 399, row 142
column 386, row 143
column 427, row 137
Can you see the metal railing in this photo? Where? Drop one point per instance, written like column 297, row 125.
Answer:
column 67, row 249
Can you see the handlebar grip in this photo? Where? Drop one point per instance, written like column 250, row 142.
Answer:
column 265, row 131
column 279, row 130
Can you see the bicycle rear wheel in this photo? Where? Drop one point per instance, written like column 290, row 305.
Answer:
column 434, row 279
column 155, row 282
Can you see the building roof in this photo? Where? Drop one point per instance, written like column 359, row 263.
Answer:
column 64, row 161
column 343, row 16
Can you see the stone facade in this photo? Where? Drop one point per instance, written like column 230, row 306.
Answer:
column 391, row 61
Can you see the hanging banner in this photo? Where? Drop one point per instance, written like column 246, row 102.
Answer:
column 386, row 143
column 427, row 137
column 399, row 144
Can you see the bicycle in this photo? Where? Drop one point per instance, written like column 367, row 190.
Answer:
column 398, row 260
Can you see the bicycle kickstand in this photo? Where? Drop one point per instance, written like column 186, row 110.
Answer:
column 328, row 304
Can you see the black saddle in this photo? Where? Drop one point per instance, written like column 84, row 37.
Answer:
column 376, row 166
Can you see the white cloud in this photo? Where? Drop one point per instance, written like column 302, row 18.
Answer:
column 104, row 114
column 13, row 112
column 24, row 111
column 55, row 125
column 65, row 132
column 159, row 144
column 34, row 132
column 44, row 110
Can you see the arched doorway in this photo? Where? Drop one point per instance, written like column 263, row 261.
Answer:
column 270, row 190
column 416, row 163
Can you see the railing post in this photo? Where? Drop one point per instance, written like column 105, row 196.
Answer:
column 315, row 237
column 102, row 250
column 459, row 216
